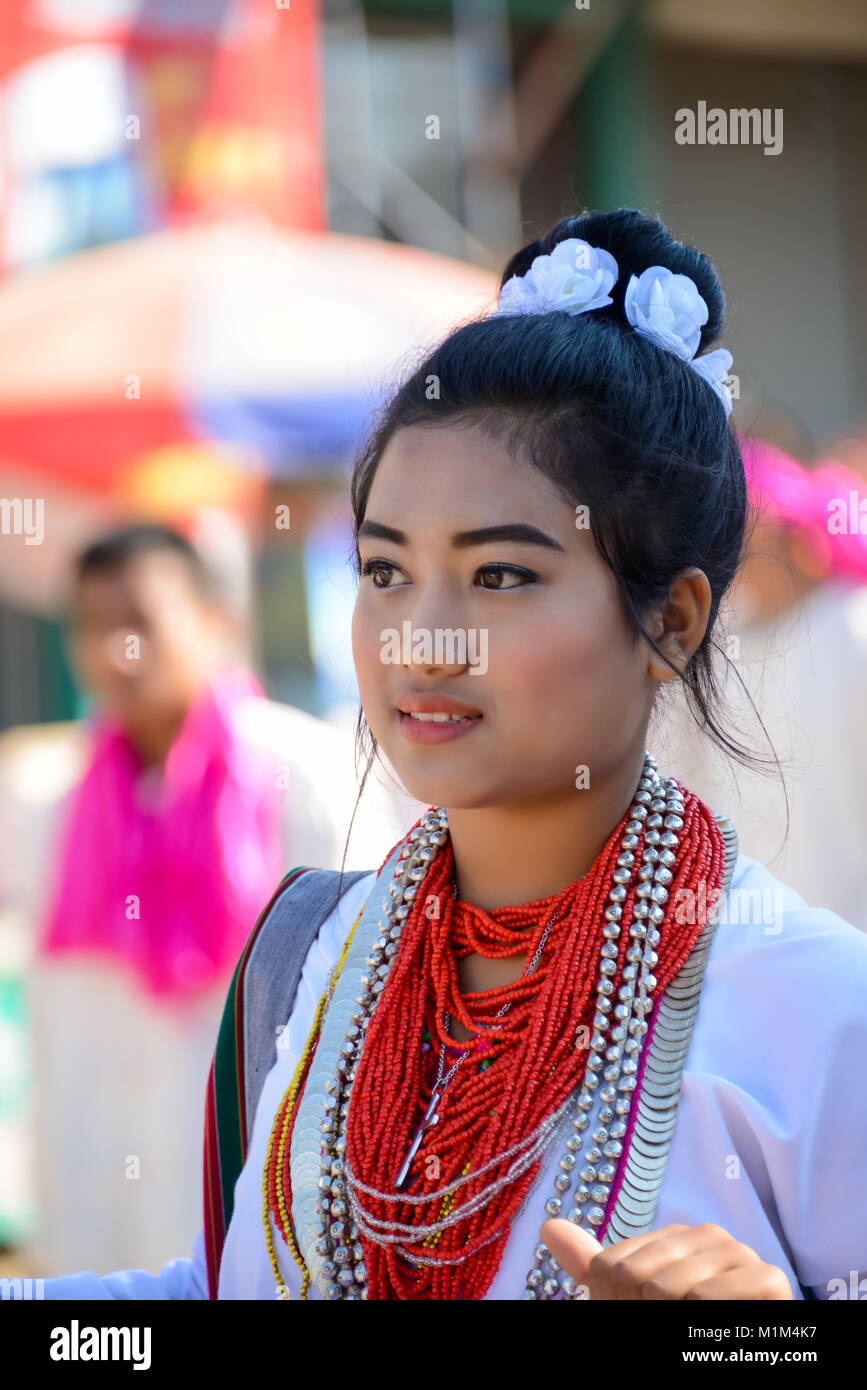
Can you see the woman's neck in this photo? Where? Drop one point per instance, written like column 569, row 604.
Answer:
column 516, row 853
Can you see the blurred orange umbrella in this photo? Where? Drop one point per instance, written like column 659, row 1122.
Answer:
column 280, row 342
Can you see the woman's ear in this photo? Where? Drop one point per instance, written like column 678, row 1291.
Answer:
column 680, row 624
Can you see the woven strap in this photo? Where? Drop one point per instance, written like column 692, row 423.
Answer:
column 258, row 1003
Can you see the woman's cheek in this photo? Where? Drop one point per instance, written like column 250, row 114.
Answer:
column 365, row 656
column 365, row 647
column 566, row 649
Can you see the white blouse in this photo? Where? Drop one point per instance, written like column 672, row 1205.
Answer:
column 771, row 1135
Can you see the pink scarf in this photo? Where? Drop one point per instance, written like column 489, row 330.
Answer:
column 171, row 882
column 821, row 502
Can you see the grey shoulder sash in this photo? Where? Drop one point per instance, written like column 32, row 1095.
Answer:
column 273, row 969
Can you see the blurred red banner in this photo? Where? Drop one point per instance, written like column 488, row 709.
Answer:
column 124, row 116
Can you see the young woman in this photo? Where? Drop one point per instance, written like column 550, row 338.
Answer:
column 567, row 1042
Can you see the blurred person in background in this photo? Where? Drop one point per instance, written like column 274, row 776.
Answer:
column 796, row 628
column 193, row 795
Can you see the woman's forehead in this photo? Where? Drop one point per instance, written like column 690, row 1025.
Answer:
column 464, row 471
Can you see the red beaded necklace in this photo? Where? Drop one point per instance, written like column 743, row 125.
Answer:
column 524, row 1064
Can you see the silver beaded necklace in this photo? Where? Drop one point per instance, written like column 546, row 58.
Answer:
column 337, row 1257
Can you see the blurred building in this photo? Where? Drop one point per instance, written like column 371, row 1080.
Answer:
column 545, row 106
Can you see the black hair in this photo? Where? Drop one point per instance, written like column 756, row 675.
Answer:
column 116, row 548
column 615, row 422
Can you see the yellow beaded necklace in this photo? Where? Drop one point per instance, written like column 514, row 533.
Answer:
column 289, row 1098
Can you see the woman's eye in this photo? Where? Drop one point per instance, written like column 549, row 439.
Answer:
column 381, row 572
column 378, row 567
column 524, row 575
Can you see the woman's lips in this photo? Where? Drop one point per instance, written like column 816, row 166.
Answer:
column 434, row 731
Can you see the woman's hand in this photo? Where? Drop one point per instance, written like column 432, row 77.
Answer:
column 669, row 1263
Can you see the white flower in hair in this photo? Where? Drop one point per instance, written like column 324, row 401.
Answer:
column 575, row 277
column 668, row 309
column 715, row 367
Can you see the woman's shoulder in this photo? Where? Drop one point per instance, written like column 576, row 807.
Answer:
column 287, row 950
column 771, row 920
column 775, row 1064
column 335, row 928
column 783, row 976
column 352, row 900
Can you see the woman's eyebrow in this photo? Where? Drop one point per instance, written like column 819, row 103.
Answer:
column 519, row 533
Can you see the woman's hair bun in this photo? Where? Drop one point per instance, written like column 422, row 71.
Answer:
column 636, row 242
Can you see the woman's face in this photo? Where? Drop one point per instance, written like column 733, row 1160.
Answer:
column 549, row 665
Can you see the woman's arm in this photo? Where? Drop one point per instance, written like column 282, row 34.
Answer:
column 178, row 1279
